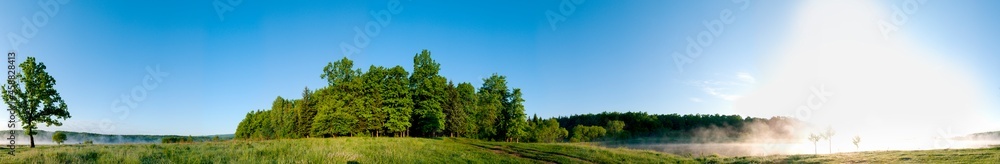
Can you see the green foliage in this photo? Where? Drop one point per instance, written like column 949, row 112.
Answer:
column 492, row 98
column 428, row 95
column 174, row 140
column 59, row 137
column 547, row 130
column 675, row 127
column 468, row 102
column 500, row 112
column 33, row 97
column 304, row 114
column 397, row 102
column 384, row 100
column 616, row 129
column 587, row 133
column 339, row 71
column 514, row 123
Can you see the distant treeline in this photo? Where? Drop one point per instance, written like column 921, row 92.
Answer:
column 642, row 124
column 391, row 101
column 81, row 137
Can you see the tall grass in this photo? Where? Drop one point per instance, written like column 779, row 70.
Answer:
column 441, row 150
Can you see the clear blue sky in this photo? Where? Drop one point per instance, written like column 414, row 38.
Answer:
column 605, row 56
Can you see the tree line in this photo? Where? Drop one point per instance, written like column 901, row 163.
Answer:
column 384, row 101
column 630, row 125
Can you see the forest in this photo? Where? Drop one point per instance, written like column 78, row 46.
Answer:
column 384, row 101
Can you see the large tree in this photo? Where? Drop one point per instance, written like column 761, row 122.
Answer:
column 374, row 115
column 428, row 95
column 454, row 110
column 514, row 123
column 492, row 98
column 467, row 98
column 397, row 102
column 305, row 113
column 33, row 97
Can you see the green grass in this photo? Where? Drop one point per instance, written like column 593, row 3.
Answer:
column 985, row 155
column 443, row 150
column 340, row 150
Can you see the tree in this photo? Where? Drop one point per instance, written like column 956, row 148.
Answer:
column 428, row 95
column 828, row 135
column 374, row 115
column 814, row 138
column 491, row 101
column 513, row 121
column 215, row 139
column 397, row 101
column 38, row 101
column 339, row 71
column 856, row 141
column 454, row 110
column 616, row 128
column 467, row 99
column 547, row 130
column 305, row 114
column 587, row 133
column 58, row 137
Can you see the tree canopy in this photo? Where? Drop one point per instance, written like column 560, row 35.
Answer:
column 33, row 97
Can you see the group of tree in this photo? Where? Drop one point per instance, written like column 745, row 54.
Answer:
column 391, row 101
column 630, row 125
column 384, row 101
column 828, row 136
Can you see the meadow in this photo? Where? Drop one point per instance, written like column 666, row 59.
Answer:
column 439, row 150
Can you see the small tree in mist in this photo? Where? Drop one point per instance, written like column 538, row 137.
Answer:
column 616, row 128
column 856, row 141
column 828, row 135
column 59, row 137
column 814, row 138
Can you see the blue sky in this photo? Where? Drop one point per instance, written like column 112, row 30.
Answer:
column 605, row 55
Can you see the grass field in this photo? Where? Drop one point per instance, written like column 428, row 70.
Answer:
column 444, row 150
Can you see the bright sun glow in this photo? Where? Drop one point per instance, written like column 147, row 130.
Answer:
column 891, row 94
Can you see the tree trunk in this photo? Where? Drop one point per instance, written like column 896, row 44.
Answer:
column 32, row 136
column 815, row 149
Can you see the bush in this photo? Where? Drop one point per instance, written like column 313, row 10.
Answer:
column 59, row 137
column 176, row 139
column 587, row 133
